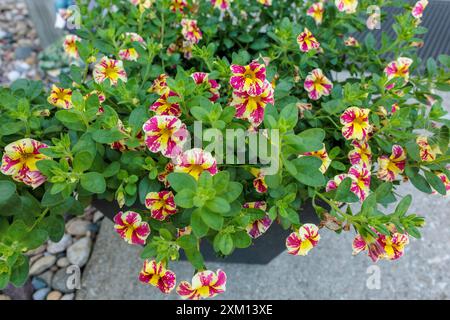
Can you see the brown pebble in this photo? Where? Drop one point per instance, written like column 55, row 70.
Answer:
column 54, row 295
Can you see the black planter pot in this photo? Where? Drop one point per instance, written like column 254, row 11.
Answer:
column 263, row 250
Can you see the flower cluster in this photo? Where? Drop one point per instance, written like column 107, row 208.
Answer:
column 252, row 92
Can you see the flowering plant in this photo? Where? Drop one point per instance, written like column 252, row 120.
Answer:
column 152, row 81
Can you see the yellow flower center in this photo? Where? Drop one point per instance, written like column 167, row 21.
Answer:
column 111, row 72
column 249, row 74
column 203, row 291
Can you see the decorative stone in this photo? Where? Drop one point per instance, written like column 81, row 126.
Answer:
column 97, row 216
column 38, row 283
column 62, row 245
column 77, row 227
column 59, row 281
column 47, row 276
column 54, row 295
column 36, row 251
column 78, row 253
column 63, row 262
column 68, row 296
column 42, row 264
column 41, row 294
column 13, row 75
column 22, row 53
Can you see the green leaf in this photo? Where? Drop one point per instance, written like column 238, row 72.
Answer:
column 93, row 182
column 212, row 219
column 308, row 171
column 417, row 180
column 19, row 272
column 185, row 198
column 107, row 136
column 343, row 193
column 224, row 243
column 179, row 181
column 54, row 225
column 112, row 169
column 234, row 190
column 82, row 161
column 219, row 205
column 435, row 182
column 149, row 251
column 195, row 258
column 403, row 206
column 307, row 141
column 241, row 239
column 199, row 228
column 7, row 189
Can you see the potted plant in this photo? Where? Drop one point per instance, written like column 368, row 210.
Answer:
column 214, row 121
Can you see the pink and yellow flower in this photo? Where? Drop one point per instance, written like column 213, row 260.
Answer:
column 373, row 245
column 109, row 69
column 316, row 12
column 394, row 108
column 356, row 123
column 351, row 42
column 373, row 21
column 321, row 154
column 394, row 245
column 335, row 182
column 361, row 154
column 165, row 134
column 142, row 4
column 398, row 69
column 121, row 145
column 190, row 31
column 307, row 41
column 70, row 45
column 419, row 8
column 134, row 37
column 383, row 247
column 223, row 5
column 259, row 182
column 317, row 85
column 205, row 284
column 19, row 161
column 303, row 107
column 251, row 108
column 361, row 177
column 195, row 161
column 129, row 54
column 427, row 153
column 162, row 176
column 301, row 242
column 267, row 3
column 178, row 5
column 131, row 228
column 260, row 226
column 390, row 167
column 156, row 274
column 201, row 78
column 164, row 107
column 159, row 85
column 60, row 97
column 249, row 79
column 184, row 231
column 347, row 6
column 161, row 204
column 445, row 180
